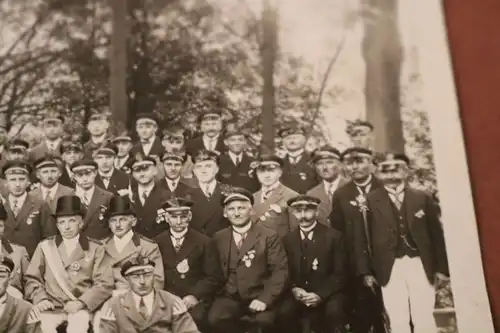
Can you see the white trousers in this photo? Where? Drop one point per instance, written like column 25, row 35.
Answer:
column 409, row 293
column 77, row 322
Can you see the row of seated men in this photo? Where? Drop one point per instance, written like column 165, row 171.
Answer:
column 246, row 276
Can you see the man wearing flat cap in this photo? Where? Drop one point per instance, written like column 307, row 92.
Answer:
column 316, row 259
column 403, row 250
column 17, row 254
column 48, row 172
column 71, row 152
column 17, row 149
column 98, row 127
column 16, row 315
column 328, row 166
column 347, row 207
column 270, row 207
column 211, row 139
column 123, row 143
column 52, row 126
column 125, row 244
column 192, row 269
column 65, row 279
column 361, row 134
column 174, row 142
column 146, row 125
column 108, row 177
column 25, row 223
column 207, row 210
column 94, row 198
column 298, row 173
column 235, row 163
column 173, row 181
column 145, row 308
column 255, row 268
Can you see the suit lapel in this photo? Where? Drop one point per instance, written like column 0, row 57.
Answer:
column 225, row 248
column 25, row 210
column 411, row 203
column 210, row 206
column 249, row 242
column 94, row 201
column 131, row 312
column 261, row 207
column 385, row 207
column 187, row 246
column 65, row 258
column 158, row 312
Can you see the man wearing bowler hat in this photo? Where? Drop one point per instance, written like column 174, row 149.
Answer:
column 254, row 266
column 144, row 308
column 52, row 125
column 16, row 315
column 211, row 139
column 65, row 278
column 108, row 177
column 316, row 259
column 26, row 222
column 328, row 166
column 94, row 199
column 402, row 249
column 192, row 269
column 270, row 207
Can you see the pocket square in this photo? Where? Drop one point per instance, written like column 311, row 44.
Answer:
column 420, row 214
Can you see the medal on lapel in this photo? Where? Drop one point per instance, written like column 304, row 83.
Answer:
column 75, row 267
column 183, row 268
column 101, row 212
column 315, row 264
column 30, row 218
column 303, row 175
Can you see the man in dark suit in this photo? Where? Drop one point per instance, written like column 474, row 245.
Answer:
column 25, row 224
column 192, row 269
column 211, row 139
column 94, row 198
column 404, row 251
column 316, row 261
column 298, row 173
column 174, row 141
column 124, row 145
column 147, row 196
column 98, row 127
column 254, row 266
column 207, row 210
column 345, row 210
column 108, row 177
column 146, row 125
column 235, row 163
column 173, row 182
column 329, row 168
column 70, row 153
column 53, row 129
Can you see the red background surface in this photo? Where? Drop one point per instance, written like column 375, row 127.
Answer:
column 473, row 32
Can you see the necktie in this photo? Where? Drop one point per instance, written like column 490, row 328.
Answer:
column 143, row 310
column 177, row 243
column 207, row 192
column 85, row 199
column 48, row 197
column 144, row 196
column 15, row 207
column 266, row 195
column 238, row 160
column 239, row 244
column 307, row 235
column 396, row 200
column 173, row 185
column 330, row 191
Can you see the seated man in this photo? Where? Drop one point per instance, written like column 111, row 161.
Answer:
column 316, row 257
column 191, row 264
column 144, row 308
column 65, row 279
column 18, row 254
column 16, row 315
column 255, row 268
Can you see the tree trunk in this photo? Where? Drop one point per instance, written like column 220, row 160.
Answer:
column 382, row 52
column 268, row 55
column 118, row 62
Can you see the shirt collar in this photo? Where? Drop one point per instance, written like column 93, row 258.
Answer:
column 242, row 230
column 79, row 191
column 53, row 143
column 170, row 181
column 109, row 174
column 148, row 299
column 366, row 182
column 295, row 154
column 333, row 185
column 178, row 235
column 309, row 228
column 72, row 241
column 271, row 188
column 147, row 188
column 396, row 191
column 234, row 156
column 215, row 138
column 125, row 239
column 20, row 199
column 210, row 186
column 46, row 190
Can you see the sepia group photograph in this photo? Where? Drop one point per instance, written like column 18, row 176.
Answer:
column 223, row 166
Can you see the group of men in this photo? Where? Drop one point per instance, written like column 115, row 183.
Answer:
column 191, row 234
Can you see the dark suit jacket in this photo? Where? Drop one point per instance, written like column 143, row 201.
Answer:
column 196, row 144
column 156, row 148
column 325, row 206
column 182, row 189
column 424, row 226
column 207, row 214
column 95, row 225
column 204, row 277
column 237, row 176
column 29, row 227
column 119, row 181
column 300, row 177
column 41, row 149
column 65, row 179
column 267, row 277
column 61, row 191
column 89, row 147
column 147, row 223
column 330, row 253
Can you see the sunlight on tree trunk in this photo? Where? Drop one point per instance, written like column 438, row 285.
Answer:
column 382, row 52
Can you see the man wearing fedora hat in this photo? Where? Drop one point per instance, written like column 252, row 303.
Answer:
column 144, row 308
column 27, row 221
column 65, row 278
column 108, row 177
column 270, row 207
column 192, row 269
column 94, row 198
column 16, row 315
column 52, row 125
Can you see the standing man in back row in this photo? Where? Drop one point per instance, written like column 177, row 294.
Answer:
column 53, row 129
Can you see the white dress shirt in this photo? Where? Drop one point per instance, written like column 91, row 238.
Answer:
column 149, row 300
column 71, row 244
column 208, row 188
column 330, row 188
column 120, row 243
column 147, row 146
column 239, row 232
column 68, row 170
column 304, row 231
column 235, row 158
column 120, row 161
column 295, row 156
column 366, row 185
column 52, row 145
column 18, row 200
column 210, row 143
column 144, row 189
column 178, row 237
column 49, row 193
column 268, row 190
column 107, row 176
column 172, row 183
column 396, row 195
column 85, row 193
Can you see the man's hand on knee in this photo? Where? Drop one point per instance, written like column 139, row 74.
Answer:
column 74, row 306
column 45, row 305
